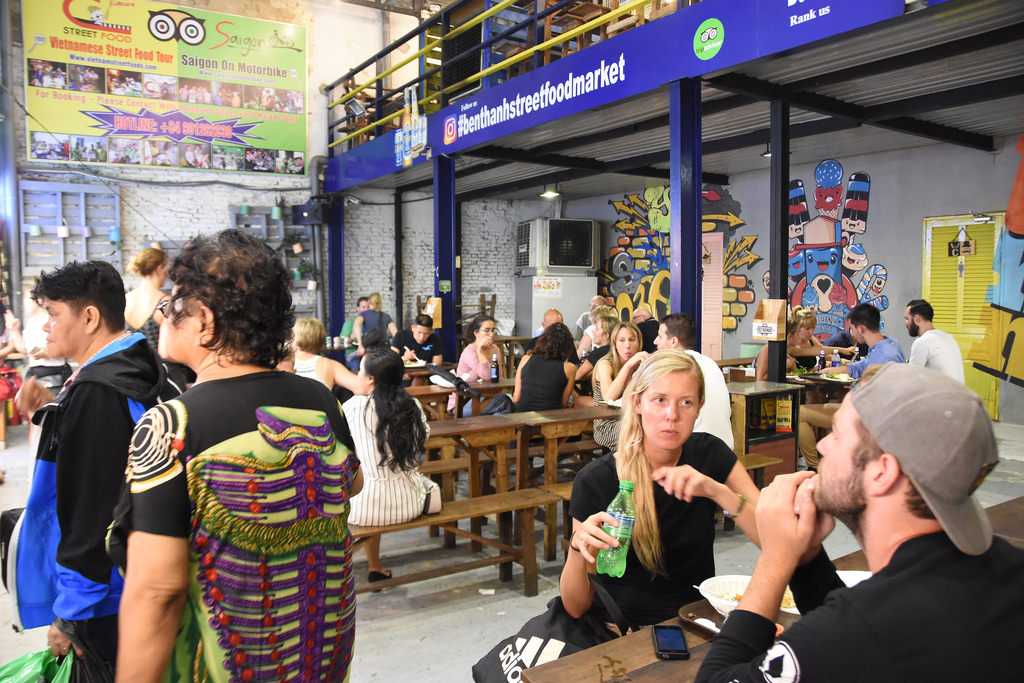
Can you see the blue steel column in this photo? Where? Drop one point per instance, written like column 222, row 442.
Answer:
column 444, row 250
column 685, row 193
column 336, row 262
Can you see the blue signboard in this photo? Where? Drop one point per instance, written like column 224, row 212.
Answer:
column 694, row 41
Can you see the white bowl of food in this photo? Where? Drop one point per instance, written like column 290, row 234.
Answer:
column 724, row 593
column 851, row 579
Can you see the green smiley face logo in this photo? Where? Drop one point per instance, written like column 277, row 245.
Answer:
column 708, row 39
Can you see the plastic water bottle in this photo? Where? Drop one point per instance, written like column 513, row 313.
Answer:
column 835, row 358
column 494, row 368
column 612, row 561
column 820, row 364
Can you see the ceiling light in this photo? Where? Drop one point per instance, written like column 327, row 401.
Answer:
column 551, row 192
column 767, row 153
column 979, row 217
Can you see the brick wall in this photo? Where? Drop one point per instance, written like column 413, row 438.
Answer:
column 169, row 206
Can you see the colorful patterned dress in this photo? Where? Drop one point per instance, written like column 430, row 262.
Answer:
column 252, row 471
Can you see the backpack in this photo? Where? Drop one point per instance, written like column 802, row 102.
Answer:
column 547, row 637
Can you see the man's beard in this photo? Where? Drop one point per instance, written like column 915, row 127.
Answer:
column 844, row 500
column 914, row 330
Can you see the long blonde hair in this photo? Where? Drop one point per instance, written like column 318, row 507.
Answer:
column 630, row 460
column 613, row 356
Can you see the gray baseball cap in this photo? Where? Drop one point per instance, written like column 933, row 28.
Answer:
column 939, row 431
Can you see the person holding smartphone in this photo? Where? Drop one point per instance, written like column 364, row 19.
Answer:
column 681, row 478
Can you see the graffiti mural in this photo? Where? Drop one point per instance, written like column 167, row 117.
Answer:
column 637, row 268
column 1006, row 334
column 829, row 267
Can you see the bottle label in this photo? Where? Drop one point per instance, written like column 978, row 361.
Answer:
column 625, row 529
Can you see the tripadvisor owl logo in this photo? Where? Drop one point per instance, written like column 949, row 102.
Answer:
column 708, row 39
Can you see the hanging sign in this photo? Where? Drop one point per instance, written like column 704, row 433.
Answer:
column 140, row 83
column 961, row 248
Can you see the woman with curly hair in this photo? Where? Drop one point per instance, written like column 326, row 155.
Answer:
column 545, row 378
column 390, row 433
column 234, row 489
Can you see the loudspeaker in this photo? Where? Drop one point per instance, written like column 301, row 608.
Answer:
column 310, row 213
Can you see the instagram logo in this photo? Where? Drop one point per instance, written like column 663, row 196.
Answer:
column 451, row 131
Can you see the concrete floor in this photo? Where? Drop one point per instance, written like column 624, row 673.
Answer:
column 433, row 632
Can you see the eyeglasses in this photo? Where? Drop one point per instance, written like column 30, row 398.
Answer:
column 488, row 330
column 163, row 307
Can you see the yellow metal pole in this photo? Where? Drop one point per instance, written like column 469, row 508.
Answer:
column 526, row 54
column 483, row 16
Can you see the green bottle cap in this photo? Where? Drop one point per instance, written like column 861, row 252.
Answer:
column 626, row 486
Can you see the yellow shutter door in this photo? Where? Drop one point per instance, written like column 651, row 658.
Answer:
column 960, row 291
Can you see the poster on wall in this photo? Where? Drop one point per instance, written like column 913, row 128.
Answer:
column 139, row 83
column 713, row 306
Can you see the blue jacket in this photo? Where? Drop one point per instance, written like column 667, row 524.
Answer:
column 57, row 566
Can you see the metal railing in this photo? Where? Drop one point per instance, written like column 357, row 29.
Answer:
column 382, row 96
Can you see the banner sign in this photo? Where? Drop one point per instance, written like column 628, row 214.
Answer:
column 139, row 83
column 694, row 41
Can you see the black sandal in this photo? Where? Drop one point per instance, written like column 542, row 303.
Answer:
column 375, row 576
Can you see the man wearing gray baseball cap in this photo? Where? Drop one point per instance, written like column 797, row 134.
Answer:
column 908, row 448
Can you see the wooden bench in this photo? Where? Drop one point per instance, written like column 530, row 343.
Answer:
column 501, row 505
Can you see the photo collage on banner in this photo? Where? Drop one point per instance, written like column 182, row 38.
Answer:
column 148, row 84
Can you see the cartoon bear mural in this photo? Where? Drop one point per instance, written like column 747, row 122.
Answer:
column 637, row 268
column 825, row 257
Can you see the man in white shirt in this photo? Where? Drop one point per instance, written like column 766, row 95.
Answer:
column 932, row 348
column 676, row 332
column 587, row 317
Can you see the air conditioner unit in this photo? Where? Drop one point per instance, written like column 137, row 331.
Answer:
column 557, row 246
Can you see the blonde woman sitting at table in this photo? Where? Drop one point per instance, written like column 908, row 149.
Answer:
column 611, row 375
column 307, row 344
column 390, row 433
column 680, row 477
column 802, row 347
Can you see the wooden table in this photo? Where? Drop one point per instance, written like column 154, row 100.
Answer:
column 745, row 398
column 520, row 422
column 734, row 362
column 820, row 390
column 418, row 374
column 554, row 426
column 434, row 397
column 631, row 658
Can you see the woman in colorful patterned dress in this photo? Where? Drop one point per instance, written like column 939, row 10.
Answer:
column 234, row 522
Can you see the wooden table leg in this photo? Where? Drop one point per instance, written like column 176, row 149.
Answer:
column 551, row 511
column 476, row 523
column 505, row 535
column 501, row 463
column 522, row 465
column 529, row 553
column 448, row 491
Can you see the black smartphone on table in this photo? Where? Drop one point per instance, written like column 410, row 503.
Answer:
column 669, row 642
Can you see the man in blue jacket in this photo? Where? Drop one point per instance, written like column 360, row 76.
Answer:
column 61, row 575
